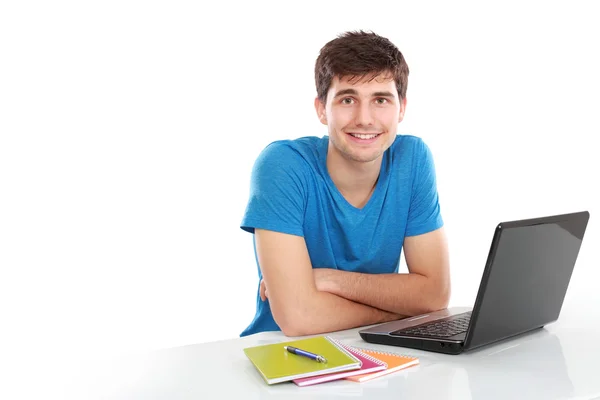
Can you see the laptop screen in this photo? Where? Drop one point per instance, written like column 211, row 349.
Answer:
column 526, row 279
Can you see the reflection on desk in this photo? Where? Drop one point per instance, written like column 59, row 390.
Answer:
column 544, row 374
column 553, row 362
column 532, row 367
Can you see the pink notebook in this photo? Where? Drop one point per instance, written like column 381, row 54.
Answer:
column 369, row 365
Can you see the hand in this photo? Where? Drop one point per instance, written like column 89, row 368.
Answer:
column 263, row 290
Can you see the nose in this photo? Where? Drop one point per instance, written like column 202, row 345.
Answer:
column 363, row 116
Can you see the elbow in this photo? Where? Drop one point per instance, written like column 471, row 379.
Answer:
column 290, row 321
column 440, row 304
column 292, row 331
column 440, row 299
column 293, row 328
column 436, row 299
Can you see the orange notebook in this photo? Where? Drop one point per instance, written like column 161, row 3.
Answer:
column 394, row 361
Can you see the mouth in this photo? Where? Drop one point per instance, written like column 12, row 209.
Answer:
column 363, row 137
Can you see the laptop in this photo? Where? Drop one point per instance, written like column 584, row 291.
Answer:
column 526, row 276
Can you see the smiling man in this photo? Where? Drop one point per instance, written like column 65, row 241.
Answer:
column 331, row 215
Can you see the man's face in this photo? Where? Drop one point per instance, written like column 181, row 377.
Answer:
column 362, row 117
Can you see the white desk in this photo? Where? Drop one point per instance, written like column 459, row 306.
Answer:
column 559, row 361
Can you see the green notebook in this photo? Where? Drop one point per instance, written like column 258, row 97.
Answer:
column 276, row 364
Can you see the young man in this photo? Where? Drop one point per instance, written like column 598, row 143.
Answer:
column 331, row 215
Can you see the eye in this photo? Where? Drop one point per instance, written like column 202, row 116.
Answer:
column 381, row 100
column 347, row 100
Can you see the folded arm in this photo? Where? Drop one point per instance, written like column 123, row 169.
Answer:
column 298, row 307
column 424, row 289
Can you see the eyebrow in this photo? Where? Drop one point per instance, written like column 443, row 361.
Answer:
column 383, row 94
column 345, row 92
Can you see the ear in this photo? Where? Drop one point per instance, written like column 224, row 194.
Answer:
column 402, row 110
column 320, row 108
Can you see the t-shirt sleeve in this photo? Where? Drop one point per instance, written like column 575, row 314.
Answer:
column 424, row 212
column 277, row 196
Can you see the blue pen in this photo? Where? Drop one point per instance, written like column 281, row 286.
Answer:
column 305, row 353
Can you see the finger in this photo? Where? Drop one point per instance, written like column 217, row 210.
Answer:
column 263, row 290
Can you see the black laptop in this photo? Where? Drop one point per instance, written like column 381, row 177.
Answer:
column 523, row 286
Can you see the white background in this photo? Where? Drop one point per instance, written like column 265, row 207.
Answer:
column 128, row 131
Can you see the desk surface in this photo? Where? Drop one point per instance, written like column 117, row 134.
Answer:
column 558, row 361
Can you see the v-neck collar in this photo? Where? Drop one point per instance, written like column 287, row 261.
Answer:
column 336, row 192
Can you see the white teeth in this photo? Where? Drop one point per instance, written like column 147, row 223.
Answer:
column 365, row 137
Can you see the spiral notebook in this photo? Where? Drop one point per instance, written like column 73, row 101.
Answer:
column 277, row 365
column 369, row 364
column 395, row 362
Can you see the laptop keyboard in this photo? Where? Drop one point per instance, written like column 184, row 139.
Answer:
column 442, row 328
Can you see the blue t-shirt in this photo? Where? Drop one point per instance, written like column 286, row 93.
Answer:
column 291, row 192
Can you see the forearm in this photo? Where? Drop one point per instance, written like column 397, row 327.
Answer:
column 327, row 312
column 405, row 294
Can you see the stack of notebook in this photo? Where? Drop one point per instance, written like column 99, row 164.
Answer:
column 277, row 364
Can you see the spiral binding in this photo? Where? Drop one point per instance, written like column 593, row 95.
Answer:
column 367, row 356
column 387, row 353
column 362, row 353
column 341, row 347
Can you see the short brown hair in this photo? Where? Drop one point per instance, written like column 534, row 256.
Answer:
column 358, row 54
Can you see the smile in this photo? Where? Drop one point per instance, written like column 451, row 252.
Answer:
column 364, row 136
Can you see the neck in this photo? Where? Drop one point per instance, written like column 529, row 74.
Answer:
column 355, row 180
